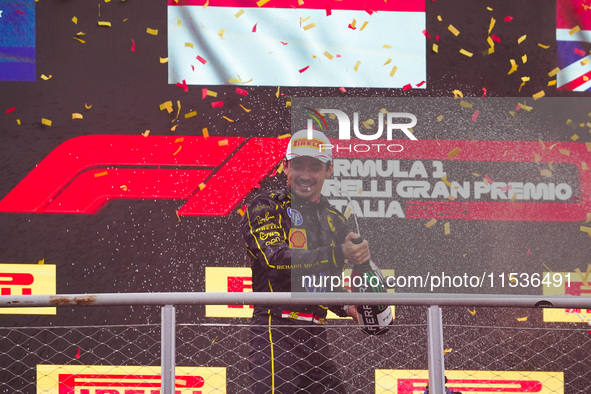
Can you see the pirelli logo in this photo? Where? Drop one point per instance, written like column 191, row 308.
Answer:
column 103, row 379
column 498, row 382
column 27, row 279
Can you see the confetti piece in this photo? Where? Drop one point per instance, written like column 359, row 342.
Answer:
column 9, row 110
column 328, row 55
column 166, row 105
column 446, row 351
column 46, row 122
column 45, row 77
column 348, row 212
column 223, row 142
column 407, row 87
column 444, row 179
column 180, row 139
column 79, row 39
column 153, row 32
column 302, row 70
column 178, row 150
column 491, row 25
column 580, row 52
column 163, row 60
column 465, row 104
column 574, row 30
column 228, row 119
column 475, row 115
column 522, row 318
column 99, row 174
column 237, row 15
column 495, row 38
column 524, row 59
column 123, row 187
column 446, row 228
column 240, row 211
column 508, row 18
column 352, row 25
column 189, row 45
column 440, row 118
column 244, row 108
column 18, row 122
column 241, row 91
column 76, row 115
column 387, row 46
column 546, row 173
column 435, row 48
column 254, row 28
column 539, row 95
column 310, row 26
column 490, row 42
column 457, row 93
column 288, row 103
column 78, row 354
column 588, row 217
column 205, row 132
column 430, row 223
column 521, row 39
column 357, row 66
column 201, row 186
column 75, row 20
column 574, row 137
column 439, row 18
column 473, row 312
column 393, row 71
column 261, row 3
column 454, row 152
column 588, row 145
column 183, row 85
column 453, row 30
column 584, row 166
column 206, row 4
column 217, row 104
column 146, row 133
column 513, row 67
column 585, row 61
column 466, row 53
column 425, row 33
column 280, row 170
column 190, row 114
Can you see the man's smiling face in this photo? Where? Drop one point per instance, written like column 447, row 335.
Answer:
column 306, row 176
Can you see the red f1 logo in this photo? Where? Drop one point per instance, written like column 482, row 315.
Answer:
column 83, row 173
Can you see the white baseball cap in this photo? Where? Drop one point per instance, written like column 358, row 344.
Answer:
column 318, row 147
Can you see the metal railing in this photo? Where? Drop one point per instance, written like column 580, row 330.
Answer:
column 168, row 328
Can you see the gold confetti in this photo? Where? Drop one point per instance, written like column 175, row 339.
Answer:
column 240, row 211
column 41, row 262
column 288, row 103
column 435, row 48
column 223, row 142
column 453, row 30
column 357, row 66
column 584, row 166
column 465, row 52
column 75, row 20
column 454, row 152
column 153, row 32
column 552, row 83
column 284, row 136
column 189, row 45
column 543, row 46
column 521, row 39
column 310, row 26
column 261, row 3
column 473, row 312
column 546, row 173
column 353, row 23
column 574, row 137
column 280, row 169
column 588, row 145
column 588, row 217
column 103, row 23
column 79, row 39
column 584, row 61
column 99, row 174
column 491, row 25
column 538, row 95
column 387, row 46
column 513, row 66
column 205, row 132
column 180, row 139
column 444, row 179
column 490, row 42
column 465, row 104
column 228, row 119
column 146, row 133
column 244, row 108
column 76, row 115
column 221, row 33
column 166, row 105
column 237, row 15
column 178, row 150
column 123, row 187
column 45, row 77
column 522, row 318
column 565, row 152
column 328, row 55
column 18, row 122
column 363, row 26
column 446, row 229
column 206, row 4
column 277, row 92
column 439, row 18
column 201, row 186
column 430, row 223
column 574, row 30
column 348, row 212
column 457, row 93
column 446, row 351
column 46, row 122
column 394, row 68
column 547, row 267
column 190, row 114
column 554, row 72
column 163, row 60
column 524, row 59
column 537, row 158
column 440, row 118
column 211, row 93
column 179, row 217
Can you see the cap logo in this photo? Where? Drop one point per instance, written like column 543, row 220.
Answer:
column 309, row 143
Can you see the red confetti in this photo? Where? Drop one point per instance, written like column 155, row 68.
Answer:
column 273, row 173
column 338, row 55
column 475, row 115
column 437, row 37
column 528, row 252
column 420, row 84
column 202, row 60
column 193, row 67
column 508, row 18
column 407, row 87
column 426, row 34
column 241, row 91
column 495, row 38
column 9, row 110
column 343, row 90
column 488, row 179
column 284, row 43
column 304, row 69
column 352, row 27
column 484, row 90
column 368, row 11
column 254, row 28
column 580, row 52
column 20, row 12
column 517, row 107
column 78, row 355
column 132, row 45
column 244, row 207
column 217, row 104
column 183, row 85
column 328, row 12
column 203, row 93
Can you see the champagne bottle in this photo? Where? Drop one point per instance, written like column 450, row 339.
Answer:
column 366, row 278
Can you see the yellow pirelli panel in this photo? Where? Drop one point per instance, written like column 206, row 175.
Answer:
column 109, row 379
column 26, row 279
column 239, row 279
column 404, row 381
column 567, row 283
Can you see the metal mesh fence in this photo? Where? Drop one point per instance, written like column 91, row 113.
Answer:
column 213, row 358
